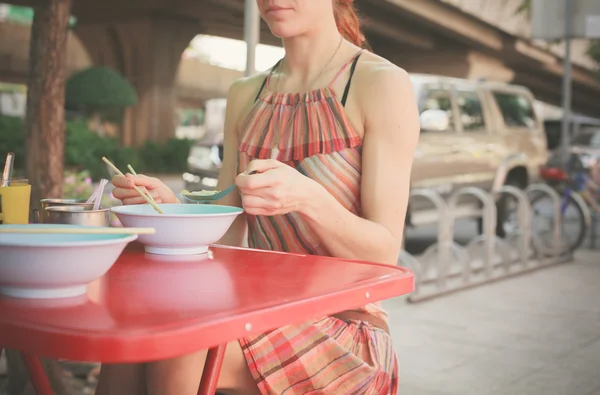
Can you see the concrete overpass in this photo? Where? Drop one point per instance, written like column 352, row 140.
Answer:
column 144, row 39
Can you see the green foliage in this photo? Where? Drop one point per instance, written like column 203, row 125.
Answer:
column 12, row 140
column 593, row 51
column 24, row 15
column 99, row 88
column 525, row 8
column 84, row 151
column 169, row 158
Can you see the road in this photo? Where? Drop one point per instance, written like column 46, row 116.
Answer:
column 537, row 334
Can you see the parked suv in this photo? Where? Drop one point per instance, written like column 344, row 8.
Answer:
column 206, row 155
column 473, row 133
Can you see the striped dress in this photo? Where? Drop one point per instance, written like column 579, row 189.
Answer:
column 311, row 132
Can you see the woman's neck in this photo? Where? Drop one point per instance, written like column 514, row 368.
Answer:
column 308, row 54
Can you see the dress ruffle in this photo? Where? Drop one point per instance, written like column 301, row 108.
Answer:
column 299, row 125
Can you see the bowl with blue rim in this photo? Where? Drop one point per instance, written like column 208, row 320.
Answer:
column 48, row 265
column 181, row 229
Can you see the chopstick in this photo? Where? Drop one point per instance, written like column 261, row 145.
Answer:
column 78, row 230
column 138, row 190
column 135, row 174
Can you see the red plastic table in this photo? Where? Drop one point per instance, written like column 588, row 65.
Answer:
column 152, row 308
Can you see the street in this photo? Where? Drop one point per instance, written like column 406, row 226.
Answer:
column 536, row 334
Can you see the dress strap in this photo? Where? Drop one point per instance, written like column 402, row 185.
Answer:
column 352, row 61
column 265, row 83
column 347, row 88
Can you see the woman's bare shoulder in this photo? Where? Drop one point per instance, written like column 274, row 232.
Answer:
column 377, row 80
column 374, row 71
column 242, row 95
column 244, row 88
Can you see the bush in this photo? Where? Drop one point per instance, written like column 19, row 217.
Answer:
column 12, row 139
column 84, row 151
column 168, row 158
column 99, row 88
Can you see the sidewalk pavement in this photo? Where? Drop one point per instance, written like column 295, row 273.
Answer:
column 537, row 334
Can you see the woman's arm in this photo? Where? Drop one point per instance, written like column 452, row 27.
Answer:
column 238, row 98
column 391, row 123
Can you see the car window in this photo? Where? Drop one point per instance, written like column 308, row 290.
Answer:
column 439, row 99
column 595, row 140
column 470, row 111
column 517, row 110
column 591, row 129
column 588, row 139
column 553, row 133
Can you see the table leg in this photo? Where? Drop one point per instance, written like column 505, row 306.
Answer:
column 212, row 369
column 38, row 374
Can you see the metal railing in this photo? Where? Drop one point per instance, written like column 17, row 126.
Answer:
column 447, row 267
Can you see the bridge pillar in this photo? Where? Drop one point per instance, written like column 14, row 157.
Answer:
column 147, row 51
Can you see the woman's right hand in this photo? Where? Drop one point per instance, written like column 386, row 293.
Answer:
column 123, row 189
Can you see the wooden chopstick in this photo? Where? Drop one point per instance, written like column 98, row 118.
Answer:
column 135, row 174
column 78, row 230
column 138, row 190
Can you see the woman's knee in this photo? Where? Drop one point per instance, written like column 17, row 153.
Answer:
column 182, row 375
column 177, row 376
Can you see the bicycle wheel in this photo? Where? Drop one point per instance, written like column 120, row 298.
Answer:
column 573, row 226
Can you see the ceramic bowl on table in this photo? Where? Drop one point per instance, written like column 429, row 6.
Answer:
column 182, row 229
column 46, row 266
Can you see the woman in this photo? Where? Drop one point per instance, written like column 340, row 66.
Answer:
column 331, row 130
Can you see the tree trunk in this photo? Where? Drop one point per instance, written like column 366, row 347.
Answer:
column 45, row 117
column 44, row 126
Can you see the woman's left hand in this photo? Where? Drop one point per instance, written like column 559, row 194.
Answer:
column 275, row 189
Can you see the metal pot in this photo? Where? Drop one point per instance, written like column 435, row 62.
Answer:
column 42, row 215
column 77, row 215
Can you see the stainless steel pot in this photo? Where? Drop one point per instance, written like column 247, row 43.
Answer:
column 77, row 215
column 42, row 215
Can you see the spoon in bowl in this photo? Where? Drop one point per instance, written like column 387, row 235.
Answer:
column 209, row 196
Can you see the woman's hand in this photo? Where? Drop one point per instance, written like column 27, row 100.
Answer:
column 158, row 190
column 275, row 190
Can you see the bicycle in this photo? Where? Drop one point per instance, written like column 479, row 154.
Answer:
column 579, row 198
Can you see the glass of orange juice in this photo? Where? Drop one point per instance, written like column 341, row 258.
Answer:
column 15, row 195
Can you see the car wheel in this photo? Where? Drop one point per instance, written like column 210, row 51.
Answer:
column 507, row 220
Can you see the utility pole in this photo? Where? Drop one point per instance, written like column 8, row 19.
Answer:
column 567, row 85
column 251, row 35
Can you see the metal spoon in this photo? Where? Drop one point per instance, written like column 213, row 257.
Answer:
column 210, row 196
column 8, row 168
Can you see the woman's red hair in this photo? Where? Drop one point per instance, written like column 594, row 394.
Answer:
column 347, row 22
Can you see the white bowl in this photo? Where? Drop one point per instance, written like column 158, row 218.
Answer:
column 46, row 266
column 183, row 229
